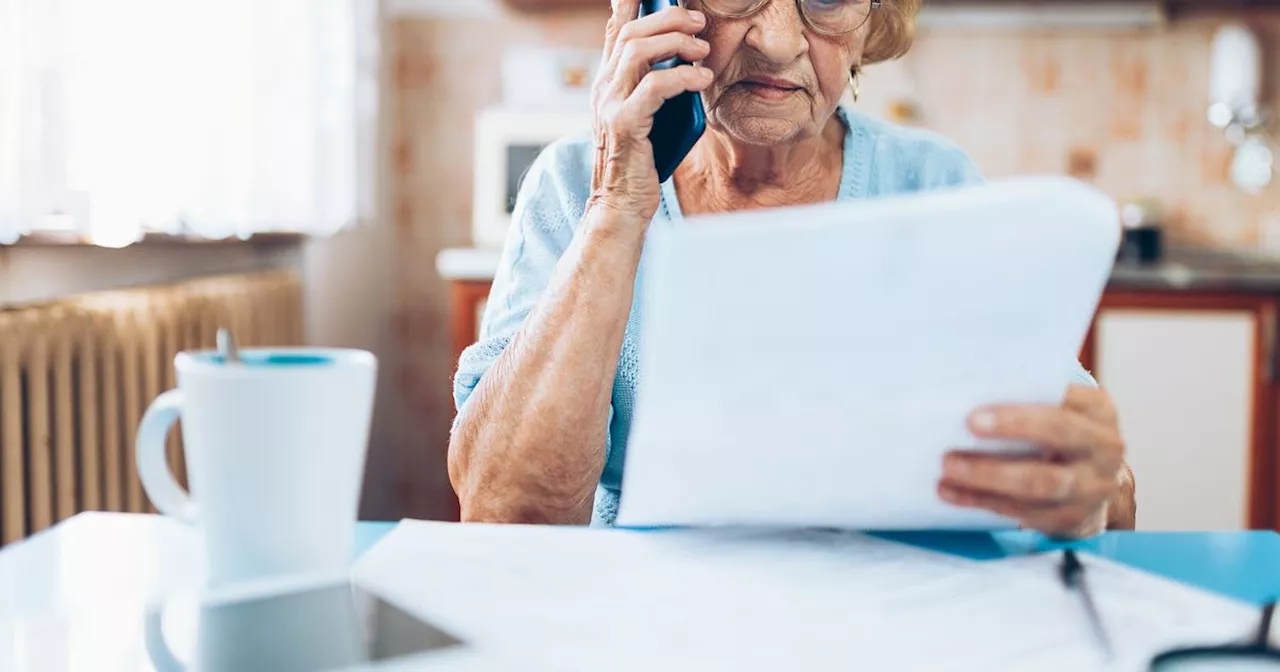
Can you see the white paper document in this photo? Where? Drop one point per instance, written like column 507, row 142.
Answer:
column 570, row 599
column 811, row 366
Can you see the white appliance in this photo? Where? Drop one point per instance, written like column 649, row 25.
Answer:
column 1235, row 79
column 507, row 143
column 1235, row 91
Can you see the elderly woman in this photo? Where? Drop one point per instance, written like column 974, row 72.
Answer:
column 545, row 397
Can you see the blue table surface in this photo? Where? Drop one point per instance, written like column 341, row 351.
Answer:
column 1243, row 565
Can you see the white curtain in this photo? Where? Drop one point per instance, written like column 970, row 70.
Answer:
column 211, row 118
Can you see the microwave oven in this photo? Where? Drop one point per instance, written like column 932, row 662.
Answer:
column 507, row 142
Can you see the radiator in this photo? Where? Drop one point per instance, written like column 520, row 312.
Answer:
column 77, row 374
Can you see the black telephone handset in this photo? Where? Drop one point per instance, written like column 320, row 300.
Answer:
column 681, row 121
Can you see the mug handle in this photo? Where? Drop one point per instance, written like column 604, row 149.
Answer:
column 158, row 650
column 153, row 465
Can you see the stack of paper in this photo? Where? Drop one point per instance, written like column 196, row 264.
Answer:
column 736, row 599
column 811, row 366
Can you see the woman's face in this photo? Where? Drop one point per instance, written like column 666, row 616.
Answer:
column 775, row 79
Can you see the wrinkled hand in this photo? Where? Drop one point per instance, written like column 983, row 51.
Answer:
column 628, row 92
column 1063, row 492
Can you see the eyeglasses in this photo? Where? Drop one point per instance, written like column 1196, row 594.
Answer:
column 1254, row 655
column 828, row 17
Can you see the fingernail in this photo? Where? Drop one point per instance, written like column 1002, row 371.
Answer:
column 706, row 73
column 702, row 43
column 698, row 17
column 983, row 421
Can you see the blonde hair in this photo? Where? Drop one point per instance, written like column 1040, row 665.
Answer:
column 892, row 31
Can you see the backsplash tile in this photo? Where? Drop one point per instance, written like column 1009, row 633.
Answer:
column 1124, row 110
column 445, row 71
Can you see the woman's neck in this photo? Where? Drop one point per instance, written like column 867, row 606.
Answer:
column 722, row 175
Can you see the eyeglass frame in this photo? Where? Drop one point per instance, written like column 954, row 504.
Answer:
column 1259, row 648
column 804, row 16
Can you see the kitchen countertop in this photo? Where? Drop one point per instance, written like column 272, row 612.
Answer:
column 475, row 264
column 1201, row 270
column 1181, row 269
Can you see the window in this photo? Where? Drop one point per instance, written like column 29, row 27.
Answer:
column 208, row 118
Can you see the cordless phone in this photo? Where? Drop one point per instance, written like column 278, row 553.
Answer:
column 681, row 121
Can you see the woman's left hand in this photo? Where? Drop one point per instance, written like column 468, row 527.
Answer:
column 1065, row 491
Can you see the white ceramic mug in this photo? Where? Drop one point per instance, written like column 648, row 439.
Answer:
column 275, row 448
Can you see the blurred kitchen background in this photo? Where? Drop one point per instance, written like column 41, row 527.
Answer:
column 339, row 172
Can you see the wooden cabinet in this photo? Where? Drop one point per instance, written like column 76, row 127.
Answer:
column 1191, row 377
column 468, row 301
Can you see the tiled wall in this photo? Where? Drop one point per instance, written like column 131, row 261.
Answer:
column 444, row 71
column 1127, row 108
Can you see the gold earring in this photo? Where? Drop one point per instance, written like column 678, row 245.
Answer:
column 853, row 81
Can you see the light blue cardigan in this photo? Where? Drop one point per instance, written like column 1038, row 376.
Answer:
column 879, row 159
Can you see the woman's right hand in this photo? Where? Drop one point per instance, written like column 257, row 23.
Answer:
column 628, row 92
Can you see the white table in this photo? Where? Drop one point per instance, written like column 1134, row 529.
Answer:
column 96, row 559
column 70, row 597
